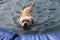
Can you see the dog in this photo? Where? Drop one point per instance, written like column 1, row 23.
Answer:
column 26, row 18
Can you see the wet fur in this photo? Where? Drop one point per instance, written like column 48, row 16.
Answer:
column 27, row 14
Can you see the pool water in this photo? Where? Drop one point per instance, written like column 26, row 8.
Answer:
column 46, row 16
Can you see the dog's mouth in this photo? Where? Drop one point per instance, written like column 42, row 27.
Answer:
column 26, row 28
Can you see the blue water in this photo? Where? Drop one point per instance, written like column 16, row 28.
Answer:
column 46, row 16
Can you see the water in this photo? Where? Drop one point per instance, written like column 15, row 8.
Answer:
column 46, row 15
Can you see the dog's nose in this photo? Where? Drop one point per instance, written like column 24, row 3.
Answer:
column 25, row 24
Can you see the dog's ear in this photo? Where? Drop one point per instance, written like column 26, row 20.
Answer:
column 32, row 21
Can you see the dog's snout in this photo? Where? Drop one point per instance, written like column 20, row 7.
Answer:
column 25, row 24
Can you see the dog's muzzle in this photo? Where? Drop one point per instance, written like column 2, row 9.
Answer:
column 26, row 26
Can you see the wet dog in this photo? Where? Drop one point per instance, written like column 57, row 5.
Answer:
column 26, row 19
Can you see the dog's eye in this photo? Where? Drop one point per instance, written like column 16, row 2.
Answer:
column 27, row 20
column 23, row 21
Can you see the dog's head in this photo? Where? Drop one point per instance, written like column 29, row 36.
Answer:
column 26, row 23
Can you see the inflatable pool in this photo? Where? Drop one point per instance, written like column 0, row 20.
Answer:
column 8, row 35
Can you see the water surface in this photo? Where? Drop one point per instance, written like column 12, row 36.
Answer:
column 46, row 16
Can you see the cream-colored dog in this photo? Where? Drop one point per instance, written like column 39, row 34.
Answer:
column 26, row 19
